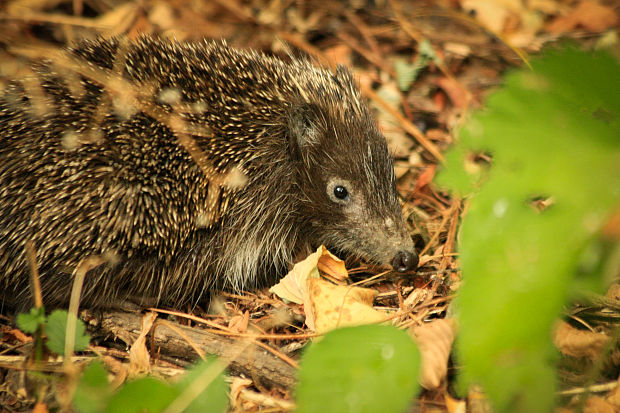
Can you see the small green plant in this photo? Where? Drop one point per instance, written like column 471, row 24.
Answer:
column 202, row 389
column 359, row 369
column 553, row 133
column 55, row 329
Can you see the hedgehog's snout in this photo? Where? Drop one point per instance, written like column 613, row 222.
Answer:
column 405, row 261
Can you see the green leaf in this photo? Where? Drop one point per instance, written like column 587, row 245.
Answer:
column 406, row 73
column 214, row 398
column 93, row 389
column 427, row 52
column 552, row 132
column 56, row 329
column 143, row 395
column 151, row 395
column 359, row 369
column 29, row 322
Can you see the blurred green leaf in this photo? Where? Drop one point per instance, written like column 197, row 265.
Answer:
column 215, row 396
column 93, row 393
column 143, row 395
column 552, row 132
column 359, row 369
column 93, row 389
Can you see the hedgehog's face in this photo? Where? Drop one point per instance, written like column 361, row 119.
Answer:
column 348, row 187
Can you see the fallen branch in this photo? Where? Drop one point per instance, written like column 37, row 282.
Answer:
column 254, row 362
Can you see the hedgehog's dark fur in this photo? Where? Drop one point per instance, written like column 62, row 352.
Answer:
column 125, row 183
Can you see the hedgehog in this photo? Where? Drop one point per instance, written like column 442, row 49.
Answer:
column 197, row 166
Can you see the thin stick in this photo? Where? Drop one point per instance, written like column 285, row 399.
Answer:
column 35, row 283
column 79, row 274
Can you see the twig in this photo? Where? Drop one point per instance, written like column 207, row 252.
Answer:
column 405, row 123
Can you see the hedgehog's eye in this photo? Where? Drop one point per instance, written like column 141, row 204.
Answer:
column 341, row 192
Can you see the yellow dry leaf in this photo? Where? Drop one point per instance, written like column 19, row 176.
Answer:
column 332, row 265
column 491, row 14
column 293, row 287
column 139, row 359
column 337, row 305
column 434, row 341
column 454, row 405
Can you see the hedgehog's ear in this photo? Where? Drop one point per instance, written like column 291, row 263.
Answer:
column 304, row 130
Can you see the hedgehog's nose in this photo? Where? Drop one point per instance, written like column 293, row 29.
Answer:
column 405, row 261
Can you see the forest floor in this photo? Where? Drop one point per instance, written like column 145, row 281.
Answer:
column 423, row 66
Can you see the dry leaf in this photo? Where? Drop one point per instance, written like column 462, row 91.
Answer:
column 238, row 384
column 435, row 134
column 434, row 341
column 339, row 54
column 613, row 396
column 162, row 15
column 17, row 334
column 40, row 407
column 578, row 343
column 139, row 358
column 417, row 296
column 332, row 265
column 459, row 49
column 293, row 287
column 424, row 259
column 336, row 305
column 596, row 404
column 400, row 170
column 589, row 14
column 613, row 293
column 458, row 95
column 517, row 21
column 425, row 178
column 454, row 405
column 491, row 14
column 239, row 323
column 439, row 98
column 545, row 6
column 117, row 369
column 415, row 159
